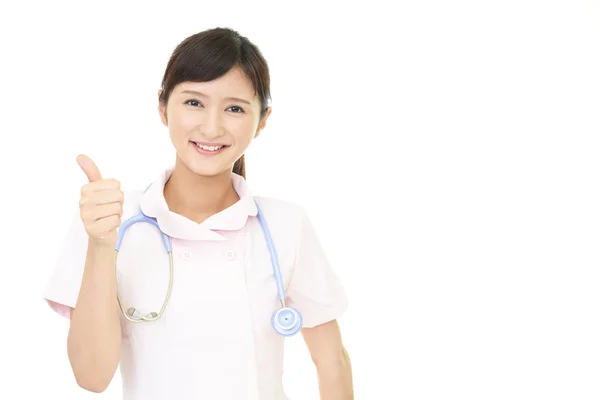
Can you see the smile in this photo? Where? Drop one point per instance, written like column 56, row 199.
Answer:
column 212, row 149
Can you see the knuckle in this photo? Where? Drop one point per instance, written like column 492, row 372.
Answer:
column 84, row 200
column 86, row 217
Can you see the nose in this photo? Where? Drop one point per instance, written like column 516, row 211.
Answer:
column 212, row 125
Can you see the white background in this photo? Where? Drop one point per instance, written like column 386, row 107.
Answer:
column 447, row 152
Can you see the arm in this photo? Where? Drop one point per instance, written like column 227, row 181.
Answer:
column 334, row 370
column 95, row 333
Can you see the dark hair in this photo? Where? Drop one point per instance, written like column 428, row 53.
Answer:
column 210, row 54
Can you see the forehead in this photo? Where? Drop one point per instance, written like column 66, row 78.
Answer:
column 233, row 84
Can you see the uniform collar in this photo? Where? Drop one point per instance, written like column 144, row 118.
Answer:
column 153, row 204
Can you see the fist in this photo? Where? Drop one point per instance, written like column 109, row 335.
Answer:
column 101, row 204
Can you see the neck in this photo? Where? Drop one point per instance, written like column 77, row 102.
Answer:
column 198, row 197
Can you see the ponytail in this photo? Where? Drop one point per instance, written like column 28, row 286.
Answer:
column 240, row 167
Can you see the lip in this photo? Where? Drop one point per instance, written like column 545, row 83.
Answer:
column 209, row 144
column 208, row 152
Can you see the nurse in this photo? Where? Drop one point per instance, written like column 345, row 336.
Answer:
column 215, row 340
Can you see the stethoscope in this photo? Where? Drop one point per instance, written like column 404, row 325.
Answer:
column 286, row 321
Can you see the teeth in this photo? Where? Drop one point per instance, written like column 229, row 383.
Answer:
column 209, row 148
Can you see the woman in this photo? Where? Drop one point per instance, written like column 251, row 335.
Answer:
column 216, row 337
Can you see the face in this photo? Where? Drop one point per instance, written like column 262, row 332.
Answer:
column 211, row 124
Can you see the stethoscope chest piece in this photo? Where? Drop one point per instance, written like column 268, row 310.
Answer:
column 287, row 321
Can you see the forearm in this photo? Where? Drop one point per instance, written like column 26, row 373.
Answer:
column 95, row 333
column 335, row 379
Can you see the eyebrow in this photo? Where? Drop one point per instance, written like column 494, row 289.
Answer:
column 228, row 98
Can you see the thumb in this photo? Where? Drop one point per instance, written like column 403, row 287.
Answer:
column 89, row 167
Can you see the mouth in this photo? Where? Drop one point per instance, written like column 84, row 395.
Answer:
column 204, row 148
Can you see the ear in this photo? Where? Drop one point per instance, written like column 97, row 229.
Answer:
column 263, row 122
column 162, row 109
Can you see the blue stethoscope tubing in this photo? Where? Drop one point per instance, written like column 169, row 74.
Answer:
column 286, row 321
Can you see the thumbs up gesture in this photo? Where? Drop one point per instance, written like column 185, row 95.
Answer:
column 101, row 204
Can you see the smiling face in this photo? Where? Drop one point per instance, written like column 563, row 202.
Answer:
column 211, row 124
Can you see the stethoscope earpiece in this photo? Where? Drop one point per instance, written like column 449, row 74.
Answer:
column 287, row 321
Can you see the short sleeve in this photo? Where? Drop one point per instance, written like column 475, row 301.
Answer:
column 315, row 289
column 62, row 288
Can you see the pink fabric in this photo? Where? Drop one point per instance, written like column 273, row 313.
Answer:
column 216, row 334
column 153, row 204
column 61, row 309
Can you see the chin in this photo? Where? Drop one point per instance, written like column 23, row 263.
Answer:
column 208, row 172
column 208, row 167
column 205, row 169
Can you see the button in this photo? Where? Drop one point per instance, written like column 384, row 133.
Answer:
column 230, row 255
column 186, row 255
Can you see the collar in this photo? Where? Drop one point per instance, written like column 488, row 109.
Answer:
column 153, row 204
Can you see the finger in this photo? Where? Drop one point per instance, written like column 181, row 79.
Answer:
column 99, row 198
column 105, row 211
column 97, row 188
column 103, row 184
column 89, row 168
column 107, row 224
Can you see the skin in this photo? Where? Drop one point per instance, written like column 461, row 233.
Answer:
column 224, row 111
column 331, row 360
column 94, row 340
column 206, row 112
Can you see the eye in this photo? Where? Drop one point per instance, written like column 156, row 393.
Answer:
column 236, row 109
column 193, row 103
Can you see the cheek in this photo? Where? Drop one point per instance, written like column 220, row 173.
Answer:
column 188, row 120
column 242, row 129
column 180, row 124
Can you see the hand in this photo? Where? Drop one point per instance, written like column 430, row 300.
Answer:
column 101, row 204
